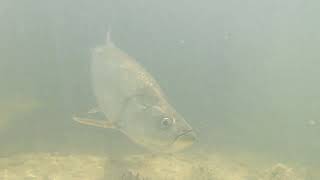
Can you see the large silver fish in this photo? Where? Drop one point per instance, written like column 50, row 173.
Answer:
column 133, row 102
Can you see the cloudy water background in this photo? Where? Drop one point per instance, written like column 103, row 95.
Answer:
column 245, row 74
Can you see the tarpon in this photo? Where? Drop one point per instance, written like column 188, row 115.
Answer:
column 132, row 101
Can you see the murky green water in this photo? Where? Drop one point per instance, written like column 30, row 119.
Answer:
column 243, row 74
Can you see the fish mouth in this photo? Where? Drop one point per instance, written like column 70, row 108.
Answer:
column 184, row 139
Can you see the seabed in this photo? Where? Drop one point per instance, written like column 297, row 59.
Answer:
column 58, row 166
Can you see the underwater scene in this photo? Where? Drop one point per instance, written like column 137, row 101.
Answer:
column 159, row 90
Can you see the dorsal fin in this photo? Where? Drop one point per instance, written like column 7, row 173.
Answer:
column 108, row 40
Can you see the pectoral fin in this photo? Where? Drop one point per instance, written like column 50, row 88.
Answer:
column 94, row 111
column 94, row 122
column 94, row 118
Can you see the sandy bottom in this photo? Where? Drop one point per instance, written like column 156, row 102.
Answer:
column 56, row 166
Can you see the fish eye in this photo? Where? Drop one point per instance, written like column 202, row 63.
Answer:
column 166, row 122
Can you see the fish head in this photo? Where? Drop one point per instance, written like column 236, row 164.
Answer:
column 171, row 129
column 160, row 128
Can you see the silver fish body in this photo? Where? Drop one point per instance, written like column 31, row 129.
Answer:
column 134, row 103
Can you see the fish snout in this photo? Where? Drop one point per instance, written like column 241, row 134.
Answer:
column 185, row 139
column 188, row 136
